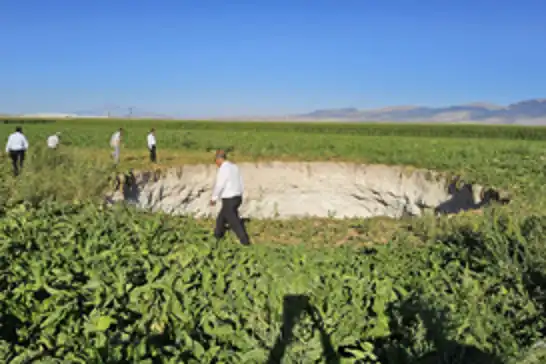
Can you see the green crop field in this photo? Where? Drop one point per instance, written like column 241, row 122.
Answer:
column 81, row 282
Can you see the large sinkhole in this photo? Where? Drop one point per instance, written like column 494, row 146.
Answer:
column 288, row 190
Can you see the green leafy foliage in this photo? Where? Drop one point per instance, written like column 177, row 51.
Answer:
column 85, row 283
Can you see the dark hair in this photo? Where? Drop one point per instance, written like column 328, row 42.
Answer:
column 19, row 129
column 220, row 154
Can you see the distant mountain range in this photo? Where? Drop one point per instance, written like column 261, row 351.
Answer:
column 528, row 112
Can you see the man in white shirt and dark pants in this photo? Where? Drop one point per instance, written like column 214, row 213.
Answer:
column 16, row 147
column 151, row 145
column 229, row 188
column 115, row 142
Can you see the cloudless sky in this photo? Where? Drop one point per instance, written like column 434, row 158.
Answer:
column 212, row 57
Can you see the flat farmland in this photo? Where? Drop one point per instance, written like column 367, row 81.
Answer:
column 83, row 282
column 505, row 155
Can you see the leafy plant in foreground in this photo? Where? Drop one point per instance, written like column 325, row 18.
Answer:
column 82, row 283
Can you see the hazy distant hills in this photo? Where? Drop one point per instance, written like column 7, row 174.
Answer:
column 112, row 111
column 527, row 112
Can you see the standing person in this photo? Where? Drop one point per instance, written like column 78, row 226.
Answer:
column 53, row 141
column 115, row 142
column 152, row 146
column 229, row 187
column 16, row 147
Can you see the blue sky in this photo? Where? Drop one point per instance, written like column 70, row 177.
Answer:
column 209, row 58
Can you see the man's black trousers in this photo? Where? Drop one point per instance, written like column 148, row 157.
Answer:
column 153, row 156
column 229, row 213
column 17, row 159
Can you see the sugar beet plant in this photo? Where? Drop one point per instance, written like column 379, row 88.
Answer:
column 89, row 284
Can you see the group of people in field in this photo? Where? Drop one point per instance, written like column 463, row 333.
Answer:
column 115, row 143
column 228, row 187
column 17, row 146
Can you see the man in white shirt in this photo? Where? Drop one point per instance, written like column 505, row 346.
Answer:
column 115, row 142
column 229, row 188
column 16, row 147
column 53, row 141
column 151, row 145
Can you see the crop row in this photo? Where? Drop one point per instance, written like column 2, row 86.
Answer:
column 80, row 283
column 360, row 129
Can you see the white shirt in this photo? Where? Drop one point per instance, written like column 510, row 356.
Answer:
column 229, row 182
column 53, row 141
column 114, row 141
column 151, row 140
column 16, row 141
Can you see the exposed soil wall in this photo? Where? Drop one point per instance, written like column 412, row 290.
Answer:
column 287, row 190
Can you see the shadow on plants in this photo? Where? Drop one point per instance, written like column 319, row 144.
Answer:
column 534, row 276
column 228, row 150
column 370, row 251
column 294, row 307
column 483, row 249
column 9, row 324
column 534, row 281
column 420, row 336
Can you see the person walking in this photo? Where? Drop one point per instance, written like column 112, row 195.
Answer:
column 152, row 146
column 229, row 188
column 16, row 147
column 115, row 142
column 53, row 141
